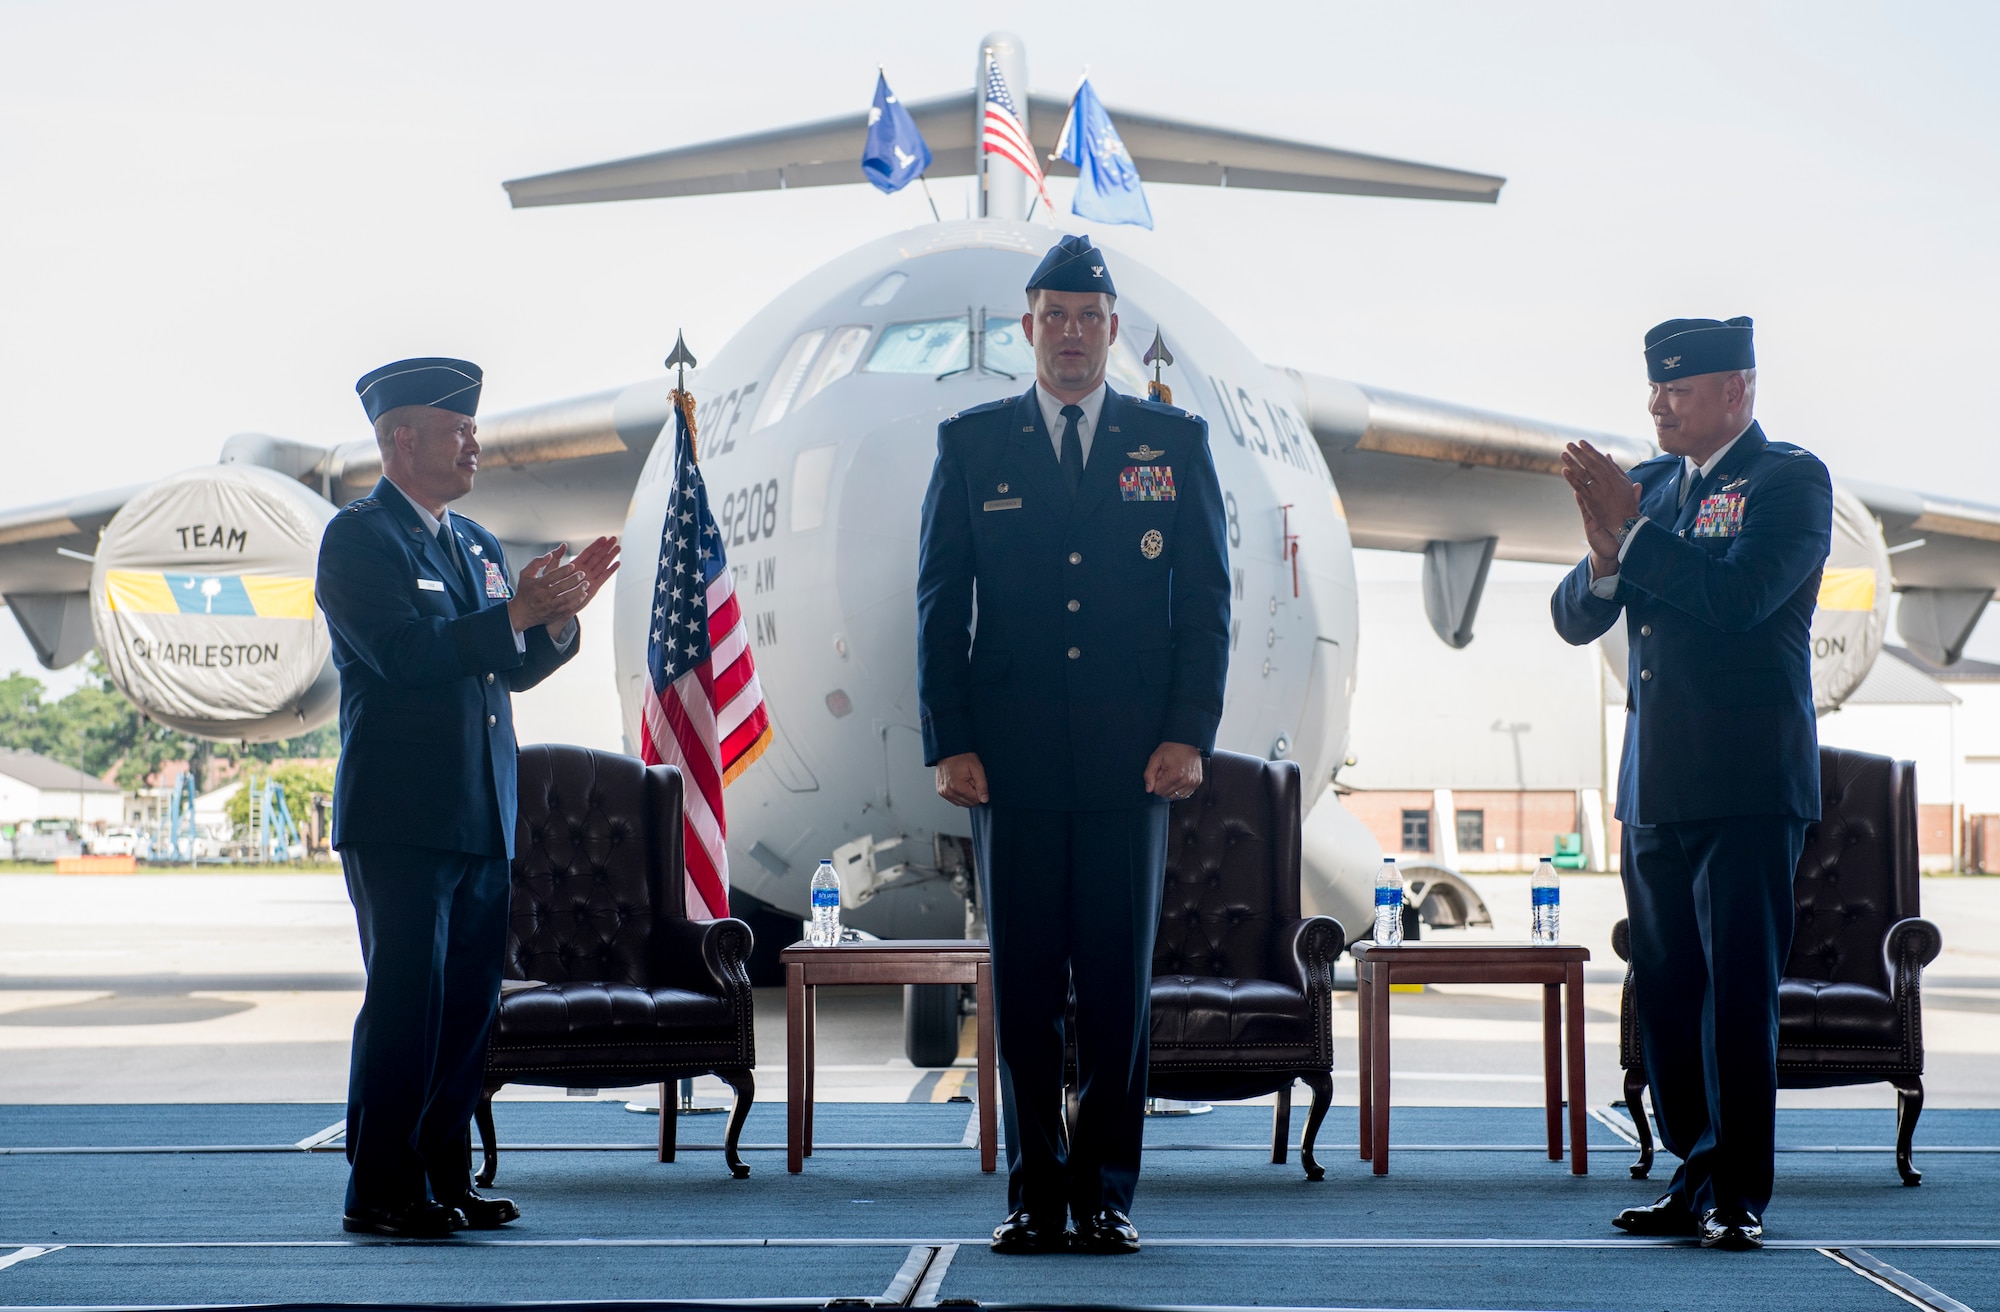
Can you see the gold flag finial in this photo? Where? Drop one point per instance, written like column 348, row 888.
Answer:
column 1158, row 355
column 680, row 362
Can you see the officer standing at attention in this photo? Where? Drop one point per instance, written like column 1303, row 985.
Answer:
column 1713, row 552
column 430, row 636
column 1090, row 526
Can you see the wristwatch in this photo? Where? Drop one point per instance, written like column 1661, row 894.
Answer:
column 1625, row 529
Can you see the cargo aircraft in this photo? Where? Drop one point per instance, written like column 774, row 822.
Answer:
column 817, row 428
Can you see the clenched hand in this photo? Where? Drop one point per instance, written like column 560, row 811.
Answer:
column 1174, row 771
column 961, row 779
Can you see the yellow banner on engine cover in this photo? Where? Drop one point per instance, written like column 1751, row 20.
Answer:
column 1847, row 589
column 144, row 592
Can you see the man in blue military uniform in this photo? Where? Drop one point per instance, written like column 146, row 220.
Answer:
column 1713, row 553
column 430, row 636
column 1090, row 526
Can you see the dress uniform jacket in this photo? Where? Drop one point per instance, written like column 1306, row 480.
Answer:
column 427, row 658
column 1718, row 593
column 1102, row 620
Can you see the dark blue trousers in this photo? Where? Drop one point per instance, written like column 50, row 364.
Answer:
column 1711, row 910
column 1072, row 901
column 434, row 937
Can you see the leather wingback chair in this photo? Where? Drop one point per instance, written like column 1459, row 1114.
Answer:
column 1849, row 1004
column 1242, row 981
column 620, row 987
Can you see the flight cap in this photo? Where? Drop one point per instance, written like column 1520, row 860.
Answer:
column 430, row 380
column 1072, row 265
column 1682, row 348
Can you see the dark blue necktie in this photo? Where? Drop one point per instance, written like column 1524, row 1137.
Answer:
column 1072, row 448
column 451, row 552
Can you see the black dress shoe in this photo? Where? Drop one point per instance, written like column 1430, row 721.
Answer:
column 1021, row 1233
column 1731, row 1229
column 420, row 1220
column 1108, row 1231
column 485, row 1213
column 1668, row 1215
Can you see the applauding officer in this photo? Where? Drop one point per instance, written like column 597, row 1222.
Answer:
column 1091, row 528
column 430, row 637
column 1713, row 552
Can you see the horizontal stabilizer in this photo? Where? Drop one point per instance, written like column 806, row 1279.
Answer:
column 828, row 153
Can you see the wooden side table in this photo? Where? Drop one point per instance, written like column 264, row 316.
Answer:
column 1555, row 968
column 898, row 961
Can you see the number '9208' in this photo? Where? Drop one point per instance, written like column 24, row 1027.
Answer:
column 748, row 514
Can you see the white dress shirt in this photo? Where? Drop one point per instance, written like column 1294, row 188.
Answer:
column 434, row 522
column 1086, row 427
column 1691, row 473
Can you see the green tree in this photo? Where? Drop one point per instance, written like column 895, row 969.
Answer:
column 95, row 729
column 21, row 712
column 299, row 781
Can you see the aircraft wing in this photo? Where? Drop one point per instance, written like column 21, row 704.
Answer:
column 1412, row 471
column 45, row 561
column 1466, row 486
column 828, row 153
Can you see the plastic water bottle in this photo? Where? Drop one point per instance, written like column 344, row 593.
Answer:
column 825, row 931
column 1388, row 904
column 1547, row 896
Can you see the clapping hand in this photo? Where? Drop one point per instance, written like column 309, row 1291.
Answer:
column 1605, row 497
column 552, row 593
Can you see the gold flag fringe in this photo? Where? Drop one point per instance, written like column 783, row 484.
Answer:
column 1159, row 391
column 684, row 402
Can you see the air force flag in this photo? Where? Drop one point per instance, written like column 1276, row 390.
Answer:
column 895, row 153
column 1107, row 182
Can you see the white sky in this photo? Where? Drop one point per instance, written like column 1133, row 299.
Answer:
column 214, row 216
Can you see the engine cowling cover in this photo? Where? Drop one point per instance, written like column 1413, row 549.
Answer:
column 202, row 600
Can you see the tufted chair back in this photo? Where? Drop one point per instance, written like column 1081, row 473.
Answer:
column 1858, row 873
column 1232, row 881
column 591, row 876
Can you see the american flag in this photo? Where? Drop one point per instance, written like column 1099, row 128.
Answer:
column 706, row 713
column 1003, row 134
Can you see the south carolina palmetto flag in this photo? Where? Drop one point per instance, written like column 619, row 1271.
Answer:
column 706, row 710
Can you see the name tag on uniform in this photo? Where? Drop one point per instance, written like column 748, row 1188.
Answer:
column 1007, row 503
column 430, row 585
column 1719, row 516
column 496, row 581
column 1146, row 483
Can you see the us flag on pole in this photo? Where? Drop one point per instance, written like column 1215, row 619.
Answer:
column 1003, row 134
column 706, row 713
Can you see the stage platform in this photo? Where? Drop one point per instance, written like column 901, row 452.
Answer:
column 157, row 1206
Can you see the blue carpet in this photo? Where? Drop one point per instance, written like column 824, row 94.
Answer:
column 410, row 1273
column 1970, row 1276
column 901, row 1196
column 1673, row 1280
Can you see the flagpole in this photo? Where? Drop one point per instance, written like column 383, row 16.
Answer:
column 927, row 196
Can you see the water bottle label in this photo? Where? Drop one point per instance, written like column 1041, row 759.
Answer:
column 825, row 897
column 1388, row 897
column 1547, row 897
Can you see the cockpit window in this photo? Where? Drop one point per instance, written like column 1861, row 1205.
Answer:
column 931, row 346
column 785, row 383
column 938, row 346
column 1007, row 348
column 837, row 360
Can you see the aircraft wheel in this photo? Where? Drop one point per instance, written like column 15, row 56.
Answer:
column 931, row 1019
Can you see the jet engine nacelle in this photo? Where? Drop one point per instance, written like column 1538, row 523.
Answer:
column 201, row 596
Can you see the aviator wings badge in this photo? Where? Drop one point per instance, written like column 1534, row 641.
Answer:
column 1145, row 452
